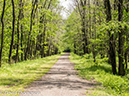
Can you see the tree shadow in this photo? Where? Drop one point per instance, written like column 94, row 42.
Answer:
column 69, row 84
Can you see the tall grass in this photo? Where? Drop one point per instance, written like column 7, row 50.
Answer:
column 100, row 71
column 20, row 75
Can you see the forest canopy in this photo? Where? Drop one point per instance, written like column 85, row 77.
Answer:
column 29, row 29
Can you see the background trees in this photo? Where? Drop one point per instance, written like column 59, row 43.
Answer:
column 30, row 31
column 106, row 28
column 2, row 34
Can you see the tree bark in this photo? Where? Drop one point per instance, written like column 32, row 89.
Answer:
column 18, row 31
column 13, row 31
column 43, row 45
column 126, row 51
column 112, row 51
column 21, row 27
column 31, row 24
column 43, row 20
column 75, row 48
column 83, row 14
column 126, row 58
column 121, row 70
column 94, row 46
column 22, row 57
column 89, row 18
column 2, row 35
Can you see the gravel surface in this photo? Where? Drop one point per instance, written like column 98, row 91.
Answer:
column 61, row 80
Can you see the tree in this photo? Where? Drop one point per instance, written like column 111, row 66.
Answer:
column 82, row 11
column 25, row 40
column 121, row 39
column 13, row 30
column 2, row 35
column 112, row 51
column 18, row 29
column 31, row 24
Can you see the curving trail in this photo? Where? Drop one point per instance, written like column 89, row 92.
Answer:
column 61, row 80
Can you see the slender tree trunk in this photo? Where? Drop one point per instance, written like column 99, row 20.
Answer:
column 21, row 27
column 31, row 24
column 126, row 51
column 85, row 46
column 17, row 51
column 126, row 58
column 121, row 70
column 43, row 20
column 94, row 46
column 48, row 52
column 89, row 18
column 13, row 31
column 18, row 31
column 2, row 35
column 35, row 49
column 22, row 57
column 75, row 48
column 112, row 51
column 43, row 38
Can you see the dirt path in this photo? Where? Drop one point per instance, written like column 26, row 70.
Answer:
column 61, row 80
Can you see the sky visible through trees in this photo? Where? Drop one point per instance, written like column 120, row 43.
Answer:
column 66, row 4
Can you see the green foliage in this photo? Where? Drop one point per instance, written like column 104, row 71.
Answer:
column 51, row 18
column 111, row 84
column 19, row 75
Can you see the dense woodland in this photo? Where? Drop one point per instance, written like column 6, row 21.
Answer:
column 35, row 28
column 100, row 27
column 29, row 29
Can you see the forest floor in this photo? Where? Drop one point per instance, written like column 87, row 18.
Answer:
column 61, row 80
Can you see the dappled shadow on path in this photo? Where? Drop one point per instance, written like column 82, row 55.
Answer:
column 66, row 83
column 61, row 76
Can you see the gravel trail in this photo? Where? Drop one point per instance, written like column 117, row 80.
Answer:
column 61, row 80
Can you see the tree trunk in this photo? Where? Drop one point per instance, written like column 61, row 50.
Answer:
column 75, row 48
column 13, row 31
column 31, row 24
column 121, row 70
column 94, row 46
column 48, row 52
column 112, row 51
column 126, row 52
column 85, row 46
column 22, row 57
column 115, row 4
column 43, row 41
column 18, row 31
column 89, row 18
column 2, row 35
column 126, row 59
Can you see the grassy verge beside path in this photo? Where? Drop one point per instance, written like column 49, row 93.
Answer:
column 20, row 75
column 110, row 85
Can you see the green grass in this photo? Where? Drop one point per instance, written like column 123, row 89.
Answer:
column 100, row 71
column 18, row 76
